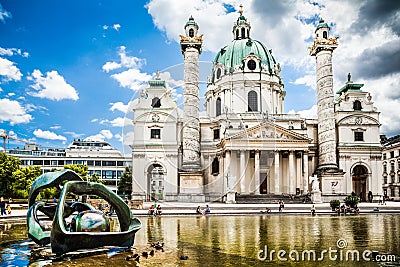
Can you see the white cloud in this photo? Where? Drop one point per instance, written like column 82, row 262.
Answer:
column 74, row 135
column 12, row 51
column 52, row 86
column 9, row 71
column 132, row 78
column 101, row 136
column 308, row 79
column 117, row 122
column 116, row 26
column 4, row 14
column 39, row 133
column 55, row 127
column 111, row 66
column 11, row 94
column 119, row 106
column 13, row 112
column 307, row 113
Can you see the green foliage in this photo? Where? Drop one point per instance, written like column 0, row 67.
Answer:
column 49, row 193
column 24, row 178
column 8, row 165
column 125, row 183
column 351, row 201
column 81, row 170
column 335, row 203
column 95, row 178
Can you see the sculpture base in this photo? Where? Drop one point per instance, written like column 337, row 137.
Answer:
column 231, row 198
column 332, row 182
column 316, row 197
column 191, row 182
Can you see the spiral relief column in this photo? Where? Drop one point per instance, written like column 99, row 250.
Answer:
column 191, row 176
column 191, row 49
column 322, row 49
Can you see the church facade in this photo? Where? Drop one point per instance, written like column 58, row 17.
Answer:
column 245, row 144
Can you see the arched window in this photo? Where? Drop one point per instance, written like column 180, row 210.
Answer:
column 237, row 34
column 215, row 166
column 219, row 73
column 156, row 102
column 218, row 107
column 251, row 64
column 191, row 32
column 252, row 101
column 357, row 105
column 325, row 35
column 243, row 33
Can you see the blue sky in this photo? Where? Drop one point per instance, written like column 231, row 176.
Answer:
column 69, row 69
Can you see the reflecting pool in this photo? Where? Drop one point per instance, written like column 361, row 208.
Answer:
column 276, row 240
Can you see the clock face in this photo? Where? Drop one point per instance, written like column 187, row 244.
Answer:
column 358, row 120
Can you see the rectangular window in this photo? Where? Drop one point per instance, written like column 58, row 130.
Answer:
column 61, row 162
column 384, row 156
column 358, row 136
column 384, row 168
column 216, row 134
column 97, row 163
column 109, row 163
column 120, row 163
column 391, row 154
column 90, row 163
column 392, row 166
column 47, row 162
column 392, row 192
column 155, row 134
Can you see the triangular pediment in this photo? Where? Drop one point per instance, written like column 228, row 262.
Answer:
column 268, row 131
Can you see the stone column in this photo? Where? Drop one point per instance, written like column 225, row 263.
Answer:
column 291, row 172
column 277, row 173
column 191, row 127
column 305, row 172
column 326, row 113
column 322, row 49
column 228, row 184
column 257, row 172
column 242, row 172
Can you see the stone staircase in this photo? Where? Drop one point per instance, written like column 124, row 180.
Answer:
column 268, row 199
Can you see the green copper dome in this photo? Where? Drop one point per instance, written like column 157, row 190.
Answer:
column 322, row 24
column 233, row 54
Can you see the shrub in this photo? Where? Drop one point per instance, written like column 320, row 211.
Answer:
column 335, row 203
column 351, row 201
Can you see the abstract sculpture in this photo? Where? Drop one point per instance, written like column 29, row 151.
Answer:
column 88, row 228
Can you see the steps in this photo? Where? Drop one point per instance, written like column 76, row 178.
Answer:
column 268, row 199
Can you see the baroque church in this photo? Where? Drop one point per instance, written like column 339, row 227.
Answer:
column 244, row 144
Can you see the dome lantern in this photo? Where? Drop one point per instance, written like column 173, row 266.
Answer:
column 241, row 28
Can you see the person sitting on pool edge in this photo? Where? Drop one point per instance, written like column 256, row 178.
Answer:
column 207, row 209
column 200, row 211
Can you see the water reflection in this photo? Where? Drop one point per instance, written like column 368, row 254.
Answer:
column 236, row 240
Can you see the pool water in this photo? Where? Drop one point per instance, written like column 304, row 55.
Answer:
column 276, row 240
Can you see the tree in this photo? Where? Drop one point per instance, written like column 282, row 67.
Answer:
column 8, row 165
column 125, row 182
column 81, row 170
column 95, row 178
column 24, row 178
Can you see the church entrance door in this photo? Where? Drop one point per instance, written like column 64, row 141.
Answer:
column 263, row 184
column 360, row 174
